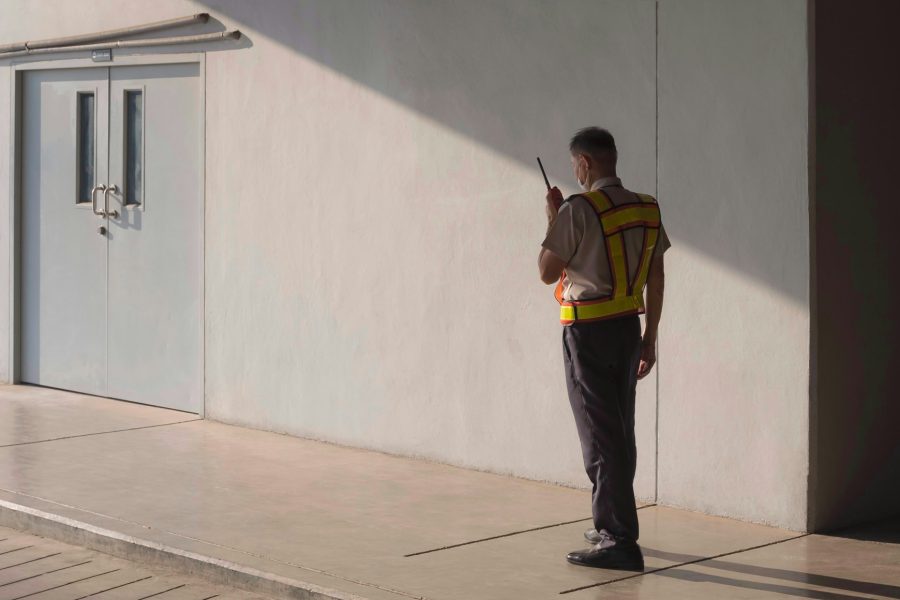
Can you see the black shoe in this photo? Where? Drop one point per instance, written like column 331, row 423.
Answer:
column 624, row 556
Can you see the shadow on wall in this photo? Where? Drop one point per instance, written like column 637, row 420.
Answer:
column 857, row 281
column 886, row 532
column 509, row 75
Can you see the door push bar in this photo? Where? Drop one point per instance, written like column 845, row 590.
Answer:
column 110, row 213
column 105, row 212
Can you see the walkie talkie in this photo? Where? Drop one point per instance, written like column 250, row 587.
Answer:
column 546, row 181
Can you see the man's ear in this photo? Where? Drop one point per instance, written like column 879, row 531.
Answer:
column 588, row 161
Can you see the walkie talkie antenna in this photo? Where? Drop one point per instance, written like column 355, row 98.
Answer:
column 543, row 172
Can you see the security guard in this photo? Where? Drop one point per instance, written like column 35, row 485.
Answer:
column 602, row 247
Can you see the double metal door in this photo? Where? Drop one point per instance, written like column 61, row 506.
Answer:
column 112, row 232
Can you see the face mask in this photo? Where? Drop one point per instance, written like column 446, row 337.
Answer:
column 583, row 185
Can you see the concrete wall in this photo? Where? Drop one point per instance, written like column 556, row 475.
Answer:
column 387, row 295
column 856, row 441
column 734, row 360
column 373, row 216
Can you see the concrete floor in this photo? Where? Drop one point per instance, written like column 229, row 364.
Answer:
column 367, row 525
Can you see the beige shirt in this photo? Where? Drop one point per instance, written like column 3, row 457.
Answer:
column 577, row 237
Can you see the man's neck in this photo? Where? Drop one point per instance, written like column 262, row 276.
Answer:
column 595, row 177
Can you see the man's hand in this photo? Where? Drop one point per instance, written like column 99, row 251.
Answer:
column 554, row 201
column 648, row 358
column 656, row 283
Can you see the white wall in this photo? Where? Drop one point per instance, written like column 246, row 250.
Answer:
column 734, row 369
column 374, row 221
column 374, row 214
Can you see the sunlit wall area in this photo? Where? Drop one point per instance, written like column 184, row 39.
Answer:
column 376, row 211
column 734, row 360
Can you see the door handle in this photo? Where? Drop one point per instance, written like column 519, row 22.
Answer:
column 94, row 190
column 110, row 213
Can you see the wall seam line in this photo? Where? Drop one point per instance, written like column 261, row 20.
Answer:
column 656, row 193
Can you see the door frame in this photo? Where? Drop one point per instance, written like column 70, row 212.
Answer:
column 18, row 68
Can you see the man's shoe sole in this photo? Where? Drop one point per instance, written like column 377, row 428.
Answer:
column 615, row 567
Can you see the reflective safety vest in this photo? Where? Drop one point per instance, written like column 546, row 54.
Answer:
column 627, row 297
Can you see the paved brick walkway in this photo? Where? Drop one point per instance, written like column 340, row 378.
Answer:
column 38, row 568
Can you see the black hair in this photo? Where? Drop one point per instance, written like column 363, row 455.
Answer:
column 593, row 141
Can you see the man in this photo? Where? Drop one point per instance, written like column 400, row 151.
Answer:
column 604, row 246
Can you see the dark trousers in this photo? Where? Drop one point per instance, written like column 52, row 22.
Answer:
column 601, row 360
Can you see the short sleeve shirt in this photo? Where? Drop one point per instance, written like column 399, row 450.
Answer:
column 576, row 236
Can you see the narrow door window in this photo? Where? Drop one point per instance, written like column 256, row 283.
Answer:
column 134, row 147
column 85, row 146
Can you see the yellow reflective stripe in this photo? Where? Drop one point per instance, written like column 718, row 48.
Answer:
column 630, row 215
column 615, row 249
column 600, row 200
column 647, row 198
column 650, row 238
column 606, row 308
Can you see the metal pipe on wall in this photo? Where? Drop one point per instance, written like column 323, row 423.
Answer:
column 169, row 41
column 87, row 38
